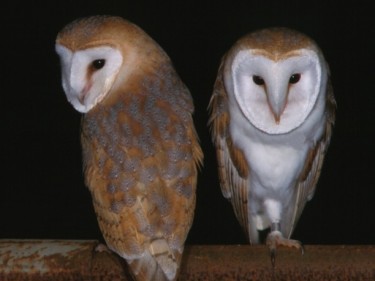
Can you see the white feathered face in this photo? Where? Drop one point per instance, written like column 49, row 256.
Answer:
column 276, row 96
column 88, row 75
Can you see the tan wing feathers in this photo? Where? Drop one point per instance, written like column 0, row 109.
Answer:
column 233, row 169
column 311, row 172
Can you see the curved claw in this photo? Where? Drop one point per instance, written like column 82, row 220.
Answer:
column 302, row 249
column 273, row 257
column 275, row 239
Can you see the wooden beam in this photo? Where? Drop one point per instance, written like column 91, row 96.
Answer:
column 88, row 260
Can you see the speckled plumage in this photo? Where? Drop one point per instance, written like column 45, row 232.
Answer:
column 140, row 152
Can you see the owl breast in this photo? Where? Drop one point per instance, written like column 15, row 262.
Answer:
column 273, row 166
column 277, row 160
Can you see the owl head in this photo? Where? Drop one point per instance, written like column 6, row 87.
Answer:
column 275, row 76
column 98, row 54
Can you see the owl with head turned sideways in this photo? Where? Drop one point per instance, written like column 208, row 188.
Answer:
column 140, row 148
column 272, row 112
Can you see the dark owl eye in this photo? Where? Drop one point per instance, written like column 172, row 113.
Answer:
column 98, row 64
column 294, row 78
column 258, row 80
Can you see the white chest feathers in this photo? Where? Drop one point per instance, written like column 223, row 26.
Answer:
column 274, row 167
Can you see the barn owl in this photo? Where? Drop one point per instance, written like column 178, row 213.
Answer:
column 272, row 112
column 140, row 147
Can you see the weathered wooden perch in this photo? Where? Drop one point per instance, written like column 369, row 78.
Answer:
column 83, row 260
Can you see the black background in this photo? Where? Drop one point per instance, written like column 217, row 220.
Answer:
column 42, row 194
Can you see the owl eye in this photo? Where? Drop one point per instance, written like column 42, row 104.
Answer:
column 258, row 80
column 98, row 64
column 294, row 78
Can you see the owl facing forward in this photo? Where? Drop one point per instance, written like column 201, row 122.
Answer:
column 272, row 112
column 140, row 148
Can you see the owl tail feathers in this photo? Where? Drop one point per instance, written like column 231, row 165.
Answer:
column 157, row 264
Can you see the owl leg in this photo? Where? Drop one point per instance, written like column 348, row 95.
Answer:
column 275, row 238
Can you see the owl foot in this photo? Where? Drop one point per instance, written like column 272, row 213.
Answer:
column 275, row 239
column 102, row 248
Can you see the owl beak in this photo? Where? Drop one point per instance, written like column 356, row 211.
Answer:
column 277, row 118
column 277, row 102
column 82, row 96
column 81, row 99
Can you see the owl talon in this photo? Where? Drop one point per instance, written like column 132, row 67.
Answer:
column 275, row 239
column 273, row 257
column 302, row 249
column 102, row 248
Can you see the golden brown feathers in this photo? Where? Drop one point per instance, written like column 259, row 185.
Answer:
column 140, row 149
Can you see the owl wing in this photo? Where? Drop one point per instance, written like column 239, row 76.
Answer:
column 140, row 158
column 310, row 174
column 232, row 167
